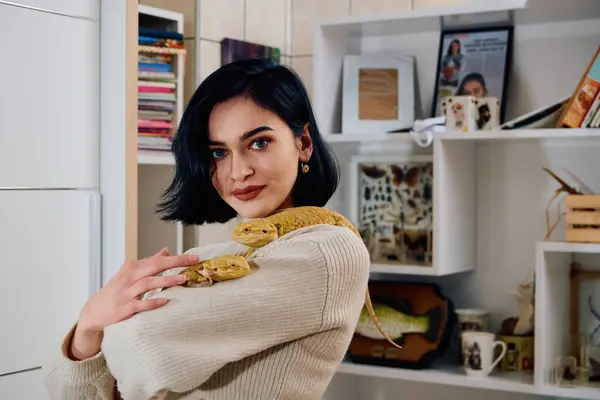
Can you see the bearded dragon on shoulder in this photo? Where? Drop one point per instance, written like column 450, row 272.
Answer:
column 260, row 232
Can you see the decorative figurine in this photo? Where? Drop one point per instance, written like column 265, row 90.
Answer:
column 524, row 325
column 565, row 371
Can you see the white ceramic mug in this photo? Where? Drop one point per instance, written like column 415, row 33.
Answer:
column 478, row 348
column 472, row 319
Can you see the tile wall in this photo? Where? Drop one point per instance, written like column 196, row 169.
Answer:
column 305, row 12
column 287, row 24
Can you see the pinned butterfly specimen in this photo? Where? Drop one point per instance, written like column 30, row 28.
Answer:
column 407, row 174
column 373, row 171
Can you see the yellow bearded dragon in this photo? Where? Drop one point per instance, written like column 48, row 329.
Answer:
column 258, row 233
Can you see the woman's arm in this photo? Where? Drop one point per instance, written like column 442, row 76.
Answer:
column 77, row 368
column 309, row 281
column 66, row 378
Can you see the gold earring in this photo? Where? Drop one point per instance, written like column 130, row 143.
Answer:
column 305, row 168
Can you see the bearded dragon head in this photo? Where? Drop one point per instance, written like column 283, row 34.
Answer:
column 227, row 267
column 255, row 233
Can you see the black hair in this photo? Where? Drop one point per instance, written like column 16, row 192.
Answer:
column 191, row 197
column 449, row 51
column 473, row 76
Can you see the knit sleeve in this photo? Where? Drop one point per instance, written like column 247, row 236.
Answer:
column 66, row 379
column 179, row 346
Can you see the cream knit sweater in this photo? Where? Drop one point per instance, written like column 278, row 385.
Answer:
column 279, row 333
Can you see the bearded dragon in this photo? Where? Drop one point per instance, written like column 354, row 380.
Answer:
column 216, row 269
column 258, row 233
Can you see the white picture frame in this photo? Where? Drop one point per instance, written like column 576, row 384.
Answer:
column 355, row 193
column 404, row 66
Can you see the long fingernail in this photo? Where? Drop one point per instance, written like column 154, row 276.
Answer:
column 194, row 257
column 181, row 278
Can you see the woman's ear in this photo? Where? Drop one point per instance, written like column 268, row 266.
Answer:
column 305, row 145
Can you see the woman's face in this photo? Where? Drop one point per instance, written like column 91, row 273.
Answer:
column 255, row 157
column 474, row 88
column 454, row 47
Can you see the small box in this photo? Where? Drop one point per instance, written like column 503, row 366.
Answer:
column 582, row 218
column 470, row 113
column 519, row 354
column 488, row 113
column 460, row 112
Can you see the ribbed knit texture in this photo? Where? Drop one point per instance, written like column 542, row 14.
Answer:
column 279, row 333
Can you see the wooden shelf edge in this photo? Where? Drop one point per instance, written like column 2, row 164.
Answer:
column 425, row 12
column 521, row 134
column 568, row 247
column 392, row 269
column 584, row 393
column 150, row 157
column 493, row 135
column 452, row 376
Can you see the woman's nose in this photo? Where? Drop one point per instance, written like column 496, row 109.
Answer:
column 240, row 168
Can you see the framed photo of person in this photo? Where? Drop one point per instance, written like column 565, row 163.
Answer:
column 473, row 62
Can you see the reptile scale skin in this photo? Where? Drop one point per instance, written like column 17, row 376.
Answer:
column 258, row 233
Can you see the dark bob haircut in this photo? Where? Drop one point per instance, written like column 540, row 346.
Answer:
column 191, row 197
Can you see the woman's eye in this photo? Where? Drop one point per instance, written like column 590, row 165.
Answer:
column 218, row 153
column 260, row 144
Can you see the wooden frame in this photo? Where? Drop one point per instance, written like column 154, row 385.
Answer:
column 577, row 275
column 378, row 93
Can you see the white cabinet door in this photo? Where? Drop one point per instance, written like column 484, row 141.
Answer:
column 76, row 8
column 49, row 104
column 28, row 385
column 49, row 247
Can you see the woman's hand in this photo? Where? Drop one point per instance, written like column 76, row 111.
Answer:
column 120, row 299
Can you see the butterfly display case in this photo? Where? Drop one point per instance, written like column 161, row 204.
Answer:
column 393, row 207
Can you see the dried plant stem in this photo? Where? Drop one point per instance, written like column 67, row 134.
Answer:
column 550, row 229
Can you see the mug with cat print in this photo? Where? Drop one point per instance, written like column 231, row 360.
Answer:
column 478, row 348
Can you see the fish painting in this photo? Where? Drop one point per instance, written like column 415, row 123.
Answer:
column 399, row 321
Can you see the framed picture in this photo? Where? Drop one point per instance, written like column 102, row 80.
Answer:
column 584, row 308
column 233, row 50
column 392, row 207
column 473, row 62
column 378, row 93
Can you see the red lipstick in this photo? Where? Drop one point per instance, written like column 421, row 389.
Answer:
column 247, row 193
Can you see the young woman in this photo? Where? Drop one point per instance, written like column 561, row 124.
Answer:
column 247, row 145
column 472, row 85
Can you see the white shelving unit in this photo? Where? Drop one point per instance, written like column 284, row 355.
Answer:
column 490, row 192
column 512, row 382
column 155, row 168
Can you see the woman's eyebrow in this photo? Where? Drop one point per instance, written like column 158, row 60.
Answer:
column 255, row 131
column 245, row 136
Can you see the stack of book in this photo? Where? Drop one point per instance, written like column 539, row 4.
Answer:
column 157, row 88
column 583, row 108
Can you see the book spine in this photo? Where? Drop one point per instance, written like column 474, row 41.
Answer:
column 571, row 118
column 591, row 113
column 596, row 121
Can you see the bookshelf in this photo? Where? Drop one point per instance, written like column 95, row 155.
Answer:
column 490, row 188
column 160, row 106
